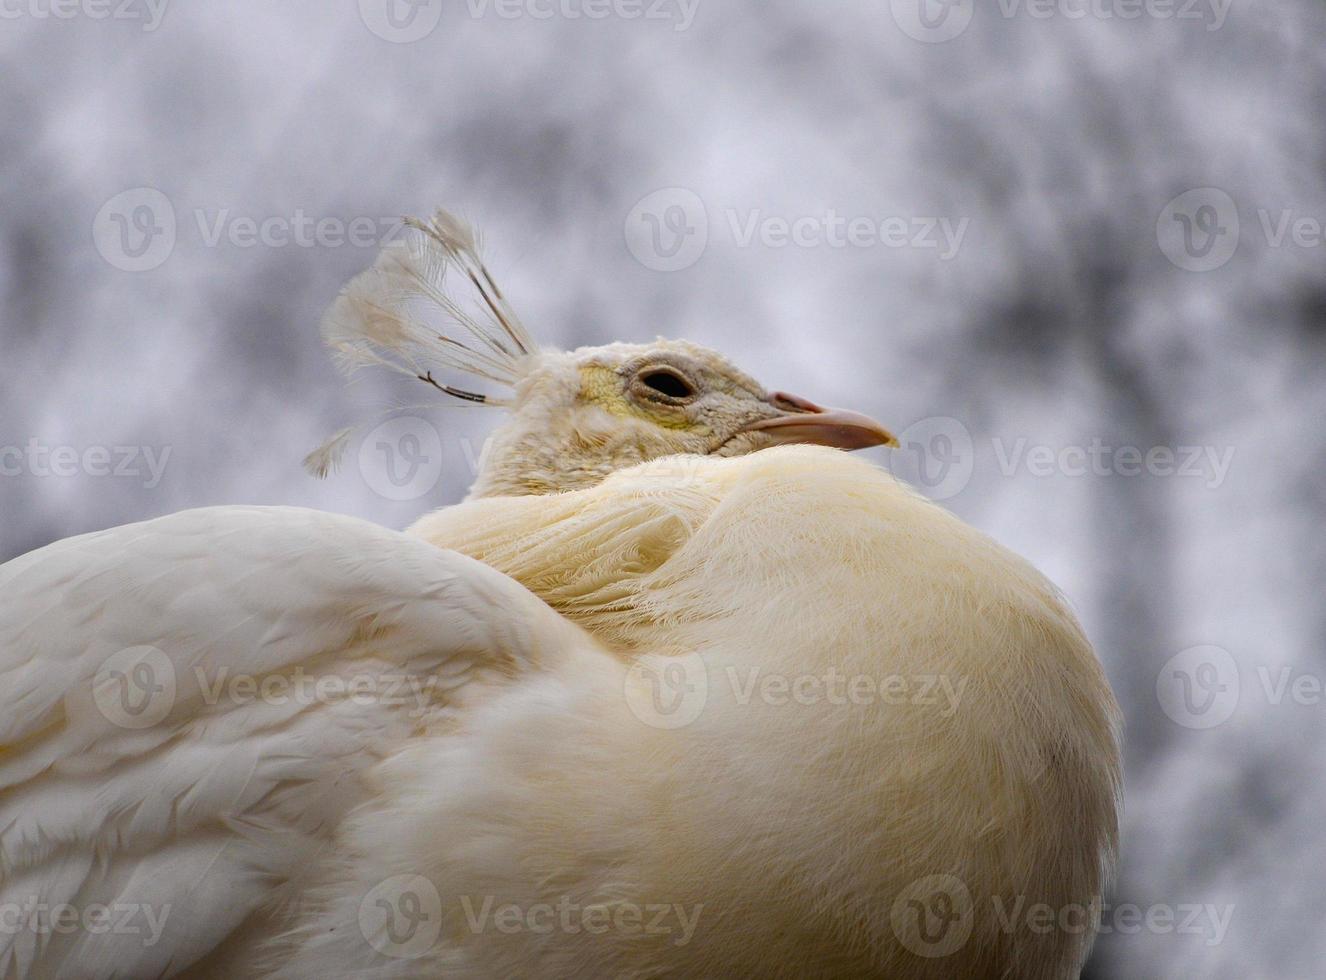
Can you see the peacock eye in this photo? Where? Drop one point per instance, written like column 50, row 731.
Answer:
column 668, row 383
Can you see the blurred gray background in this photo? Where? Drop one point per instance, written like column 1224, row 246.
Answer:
column 1056, row 244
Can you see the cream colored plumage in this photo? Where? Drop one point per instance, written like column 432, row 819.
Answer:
column 802, row 822
column 664, row 735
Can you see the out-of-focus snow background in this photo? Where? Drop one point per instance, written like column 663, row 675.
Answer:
column 1074, row 249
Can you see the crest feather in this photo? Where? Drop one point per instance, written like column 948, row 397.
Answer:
column 400, row 315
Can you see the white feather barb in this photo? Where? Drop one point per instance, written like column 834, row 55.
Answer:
column 326, row 459
column 400, row 315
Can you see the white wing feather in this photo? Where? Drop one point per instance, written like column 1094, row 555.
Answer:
column 207, row 815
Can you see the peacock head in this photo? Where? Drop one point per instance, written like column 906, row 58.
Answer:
column 574, row 417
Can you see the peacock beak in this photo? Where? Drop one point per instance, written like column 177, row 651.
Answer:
column 803, row 421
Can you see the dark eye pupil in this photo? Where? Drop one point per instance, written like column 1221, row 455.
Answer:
column 668, row 384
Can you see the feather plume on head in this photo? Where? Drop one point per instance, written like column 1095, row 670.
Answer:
column 398, row 314
column 576, row 416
